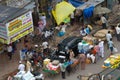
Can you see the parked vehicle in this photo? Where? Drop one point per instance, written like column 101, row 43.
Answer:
column 69, row 43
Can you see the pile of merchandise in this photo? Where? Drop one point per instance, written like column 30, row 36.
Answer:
column 113, row 61
column 89, row 39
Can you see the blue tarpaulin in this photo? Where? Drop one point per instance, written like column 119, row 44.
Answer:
column 88, row 12
column 76, row 3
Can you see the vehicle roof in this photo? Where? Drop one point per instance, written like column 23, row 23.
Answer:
column 69, row 40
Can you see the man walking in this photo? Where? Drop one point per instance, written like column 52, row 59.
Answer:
column 63, row 69
column 104, row 22
column 108, row 37
column 118, row 32
column 9, row 50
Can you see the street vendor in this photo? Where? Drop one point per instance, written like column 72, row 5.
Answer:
column 92, row 55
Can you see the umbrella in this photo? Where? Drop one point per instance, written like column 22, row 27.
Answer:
column 101, row 10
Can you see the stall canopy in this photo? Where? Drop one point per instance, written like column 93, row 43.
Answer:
column 76, row 3
column 62, row 11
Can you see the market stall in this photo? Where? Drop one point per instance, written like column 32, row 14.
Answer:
column 53, row 67
column 88, row 9
column 15, row 23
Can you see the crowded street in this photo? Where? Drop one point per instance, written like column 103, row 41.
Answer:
column 72, row 45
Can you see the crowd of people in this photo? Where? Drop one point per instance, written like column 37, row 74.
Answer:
column 31, row 56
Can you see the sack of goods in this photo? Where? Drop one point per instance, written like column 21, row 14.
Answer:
column 101, row 34
column 88, row 61
column 55, row 62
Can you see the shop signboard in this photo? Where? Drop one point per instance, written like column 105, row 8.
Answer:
column 19, row 27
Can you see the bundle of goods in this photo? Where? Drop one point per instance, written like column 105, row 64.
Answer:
column 89, row 39
column 101, row 34
column 83, row 46
column 98, row 22
column 55, row 62
column 113, row 61
column 45, row 62
column 55, row 68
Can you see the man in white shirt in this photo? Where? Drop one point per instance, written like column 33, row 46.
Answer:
column 9, row 50
column 45, row 44
column 108, row 36
column 101, row 46
column 118, row 32
column 45, row 47
column 21, row 66
column 104, row 21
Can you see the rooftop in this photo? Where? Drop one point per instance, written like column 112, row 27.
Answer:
column 9, row 13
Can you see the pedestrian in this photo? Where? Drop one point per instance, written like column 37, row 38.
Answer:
column 9, row 50
column 96, row 47
column 26, row 42
column 111, row 45
column 21, row 66
column 72, row 18
column 82, row 59
column 63, row 69
column 45, row 47
column 82, row 32
column 93, row 52
column 101, row 46
column 104, row 22
column 72, row 55
column 40, row 27
column 43, row 18
column 87, row 30
column 28, row 66
column 14, row 47
column 118, row 32
column 23, row 52
column 108, row 37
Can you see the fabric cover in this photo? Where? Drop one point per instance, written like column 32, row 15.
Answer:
column 88, row 12
column 62, row 11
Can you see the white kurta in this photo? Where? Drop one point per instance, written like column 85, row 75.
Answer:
column 101, row 45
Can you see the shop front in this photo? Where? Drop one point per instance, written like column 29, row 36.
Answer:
column 15, row 23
